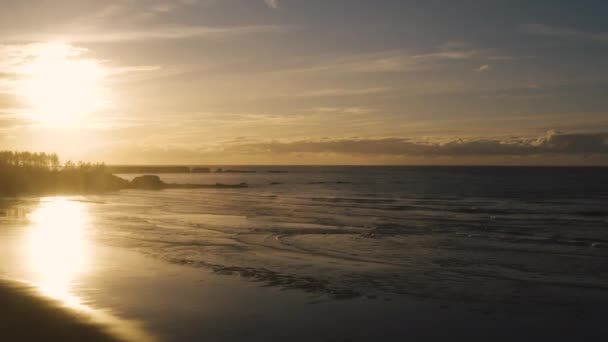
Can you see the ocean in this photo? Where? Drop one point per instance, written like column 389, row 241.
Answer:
column 446, row 232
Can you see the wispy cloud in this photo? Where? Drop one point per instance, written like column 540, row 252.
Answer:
column 331, row 92
column 272, row 3
column 448, row 54
column 483, row 68
column 398, row 60
column 153, row 33
column 123, row 12
column 565, row 32
column 343, row 110
column 15, row 57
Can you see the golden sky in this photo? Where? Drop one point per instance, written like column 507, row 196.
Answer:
column 305, row 81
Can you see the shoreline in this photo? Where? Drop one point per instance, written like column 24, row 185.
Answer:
column 29, row 316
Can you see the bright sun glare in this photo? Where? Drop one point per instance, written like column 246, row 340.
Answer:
column 58, row 246
column 60, row 87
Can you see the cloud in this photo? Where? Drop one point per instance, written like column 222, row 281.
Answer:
column 343, row 110
column 398, row 60
column 403, row 61
column 14, row 58
column 10, row 125
column 483, row 68
column 155, row 33
column 443, row 55
column 552, row 143
column 387, row 61
column 331, row 92
column 272, row 3
column 550, row 149
column 133, row 11
column 564, row 32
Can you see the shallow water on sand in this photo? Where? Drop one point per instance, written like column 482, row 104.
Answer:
column 484, row 234
column 362, row 250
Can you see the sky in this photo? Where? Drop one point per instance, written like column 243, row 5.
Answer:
column 306, row 81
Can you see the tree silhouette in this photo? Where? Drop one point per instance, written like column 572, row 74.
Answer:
column 32, row 172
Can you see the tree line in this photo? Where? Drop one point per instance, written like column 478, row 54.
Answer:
column 38, row 173
column 32, row 159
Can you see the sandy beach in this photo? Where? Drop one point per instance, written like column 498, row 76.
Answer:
column 28, row 316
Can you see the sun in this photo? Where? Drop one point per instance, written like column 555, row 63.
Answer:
column 59, row 87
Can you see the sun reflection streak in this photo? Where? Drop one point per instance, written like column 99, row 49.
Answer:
column 59, row 251
column 58, row 247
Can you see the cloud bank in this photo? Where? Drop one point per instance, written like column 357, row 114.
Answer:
column 551, row 143
column 551, row 149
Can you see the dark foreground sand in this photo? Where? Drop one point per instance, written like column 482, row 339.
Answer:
column 26, row 316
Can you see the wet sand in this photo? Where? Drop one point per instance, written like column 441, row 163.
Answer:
column 142, row 298
column 27, row 316
column 169, row 302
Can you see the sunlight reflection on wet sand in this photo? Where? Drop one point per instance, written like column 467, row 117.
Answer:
column 58, row 247
column 59, row 251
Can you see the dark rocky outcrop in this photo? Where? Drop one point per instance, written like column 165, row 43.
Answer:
column 220, row 170
column 153, row 182
column 147, row 182
column 147, row 169
column 201, row 170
